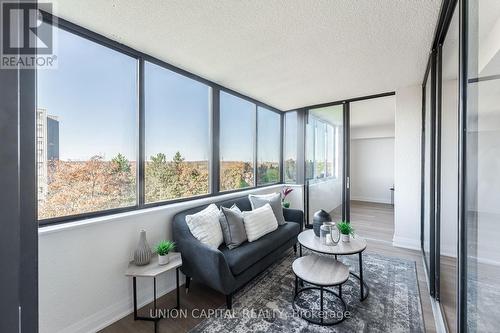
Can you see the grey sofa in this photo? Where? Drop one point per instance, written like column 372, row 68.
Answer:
column 228, row 270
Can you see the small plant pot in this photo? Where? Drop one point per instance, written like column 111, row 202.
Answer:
column 345, row 238
column 163, row 260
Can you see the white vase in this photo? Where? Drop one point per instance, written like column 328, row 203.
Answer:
column 163, row 260
column 346, row 238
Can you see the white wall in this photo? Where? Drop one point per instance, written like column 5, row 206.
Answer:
column 370, row 132
column 407, row 167
column 372, row 169
column 82, row 287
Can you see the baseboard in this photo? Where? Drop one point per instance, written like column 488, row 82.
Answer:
column 113, row 313
column 406, row 243
column 368, row 199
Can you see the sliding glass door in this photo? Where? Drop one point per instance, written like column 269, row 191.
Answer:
column 428, row 171
column 447, row 190
column 481, row 211
column 324, row 157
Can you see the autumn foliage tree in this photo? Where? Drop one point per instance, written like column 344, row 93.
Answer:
column 78, row 187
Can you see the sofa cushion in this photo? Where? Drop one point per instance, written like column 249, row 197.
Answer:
column 248, row 254
column 259, row 222
column 205, row 226
column 274, row 200
column 232, row 226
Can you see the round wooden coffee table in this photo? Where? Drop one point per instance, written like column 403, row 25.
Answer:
column 321, row 272
column 356, row 245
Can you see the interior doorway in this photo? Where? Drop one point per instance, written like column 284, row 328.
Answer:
column 349, row 164
column 371, row 174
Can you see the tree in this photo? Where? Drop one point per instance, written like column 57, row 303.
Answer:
column 77, row 187
column 121, row 164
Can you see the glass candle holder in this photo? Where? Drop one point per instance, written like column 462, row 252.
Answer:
column 328, row 234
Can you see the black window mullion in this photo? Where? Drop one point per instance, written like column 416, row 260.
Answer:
column 256, row 146
column 215, row 163
column 282, row 148
column 141, row 124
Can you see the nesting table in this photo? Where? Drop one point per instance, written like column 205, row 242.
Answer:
column 321, row 272
column 356, row 245
column 152, row 270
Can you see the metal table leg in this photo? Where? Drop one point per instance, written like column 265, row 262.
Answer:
column 361, row 284
column 135, row 297
column 177, row 282
column 364, row 289
column 136, row 316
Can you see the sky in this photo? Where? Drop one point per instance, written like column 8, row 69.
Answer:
column 93, row 93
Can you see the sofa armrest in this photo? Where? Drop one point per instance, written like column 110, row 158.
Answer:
column 294, row 215
column 201, row 262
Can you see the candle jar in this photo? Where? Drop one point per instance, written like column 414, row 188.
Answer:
column 328, row 234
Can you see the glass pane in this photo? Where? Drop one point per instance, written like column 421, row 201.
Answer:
column 310, row 145
column 330, row 151
column 86, row 130
column 177, row 142
column 268, row 146
column 237, row 142
column 290, row 158
column 320, row 150
column 482, row 166
column 427, row 171
column 449, row 176
column 325, row 192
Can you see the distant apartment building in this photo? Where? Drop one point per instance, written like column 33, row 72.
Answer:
column 47, row 147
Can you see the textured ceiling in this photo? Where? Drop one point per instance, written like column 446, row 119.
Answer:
column 287, row 53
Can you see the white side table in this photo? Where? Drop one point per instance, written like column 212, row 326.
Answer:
column 152, row 270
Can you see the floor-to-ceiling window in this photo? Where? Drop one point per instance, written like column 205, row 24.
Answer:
column 482, row 166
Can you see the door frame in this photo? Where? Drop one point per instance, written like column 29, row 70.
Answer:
column 346, row 191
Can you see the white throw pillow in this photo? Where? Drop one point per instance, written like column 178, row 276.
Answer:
column 259, row 222
column 205, row 226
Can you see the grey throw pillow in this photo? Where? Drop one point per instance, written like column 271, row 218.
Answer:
column 274, row 200
column 233, row 229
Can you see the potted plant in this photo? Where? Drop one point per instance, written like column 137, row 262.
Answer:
column 346, row 230
column 284, row 193
column 163, row 249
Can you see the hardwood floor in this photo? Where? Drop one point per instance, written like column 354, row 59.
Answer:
column 373, row 221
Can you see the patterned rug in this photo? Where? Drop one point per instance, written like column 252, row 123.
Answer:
column 265, row 304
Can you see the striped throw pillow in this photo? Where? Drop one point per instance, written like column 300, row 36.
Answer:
column 205, row 226
column 259, row 222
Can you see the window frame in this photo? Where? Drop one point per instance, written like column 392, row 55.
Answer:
column 259, row 110
column 214, row 128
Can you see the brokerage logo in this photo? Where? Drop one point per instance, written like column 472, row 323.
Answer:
column 26, row 42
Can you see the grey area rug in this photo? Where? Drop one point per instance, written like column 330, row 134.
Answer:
column 265, row 304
